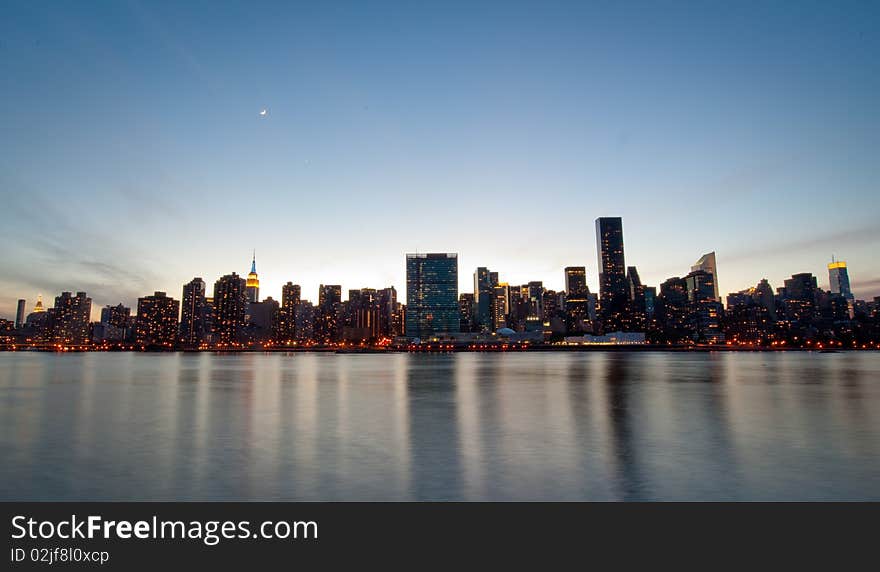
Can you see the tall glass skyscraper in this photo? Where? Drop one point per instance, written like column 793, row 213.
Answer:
column 431, row 294
column 612, row 272
column 839, row 279
column 707, row 263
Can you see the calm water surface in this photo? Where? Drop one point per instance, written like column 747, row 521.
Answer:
column 525, row 426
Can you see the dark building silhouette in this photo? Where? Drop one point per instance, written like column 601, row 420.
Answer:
column 19, row 315
column 361, row 312
column 484, row 295
column 431, row 294
column 672, row 309
column 328, row 314
column 705, row 312
column 465, row 312
column 229, row 309
column 263, row 325
column 387, row 308
column 156, row 323
column 577, row 300
column 612, row 273
column 193, row 315
column 290, row 302
column 70, row 320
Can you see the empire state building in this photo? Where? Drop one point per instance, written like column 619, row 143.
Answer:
column 253, row 282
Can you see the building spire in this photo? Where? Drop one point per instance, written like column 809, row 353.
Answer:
column 254, row 263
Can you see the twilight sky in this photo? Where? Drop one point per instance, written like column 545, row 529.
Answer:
column 133, row 155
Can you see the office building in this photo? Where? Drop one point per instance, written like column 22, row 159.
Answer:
column 707, row 263
column 431, row 294
column 612, row 273
column 838, row 277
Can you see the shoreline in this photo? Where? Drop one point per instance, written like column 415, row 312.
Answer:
column 436, row 350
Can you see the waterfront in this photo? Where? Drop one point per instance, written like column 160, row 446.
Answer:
column 464, row 426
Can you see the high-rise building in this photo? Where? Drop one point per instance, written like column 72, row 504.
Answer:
column 533, row 294
column 253, row 282
column 483, row 299
column 465, row 312
column 19, row 315
column 229, row 309
column 328, row 314
column 304, row 326
column 766, row 299
column 290, row 301
column 157, row 320
column 71, row 318
column 637, row 311
column 263, row 325
column 116, row 324
column 839, row 279
column 576, row 283
column 193, row 316
column 387, row 307
column 707, row 263
column 38, row 307
column 361, row 321
column 612, row 273
column 672, row 309
column 501, row 305
column 577, row 295
column 117, row 316
column 705, row 311
column 799, row 299
column 431, row 294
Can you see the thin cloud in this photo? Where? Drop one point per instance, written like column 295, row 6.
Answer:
column 866, row 234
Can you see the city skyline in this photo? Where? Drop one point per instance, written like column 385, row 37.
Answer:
column 682, row 310
column 465, row 285
column 136, row 156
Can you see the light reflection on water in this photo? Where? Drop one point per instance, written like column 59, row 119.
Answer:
column 523, row 426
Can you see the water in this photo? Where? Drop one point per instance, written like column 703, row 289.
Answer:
column 522, row 426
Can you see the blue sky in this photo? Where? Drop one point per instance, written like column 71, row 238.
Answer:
column 133, row 156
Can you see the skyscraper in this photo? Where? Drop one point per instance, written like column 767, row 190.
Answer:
column 577, row 294
column 157, row 320
column 328, row 313
column 501, row 305
column 483, row 299
column 637, row 310
column 193, row 316
column 465, row 312
column 839, row 279
column 612, row 272
column 387, row 307
column 71, row 319
column 705, row 311
column 707, row 264
column 253, row 282
column 19, row 314
column 290, row 301
column 230, row 303
column 431, row 294
column 799, row 299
